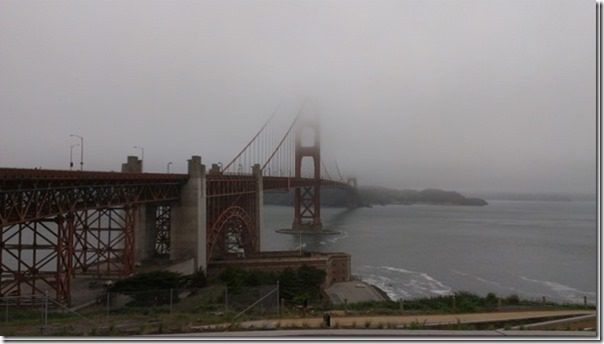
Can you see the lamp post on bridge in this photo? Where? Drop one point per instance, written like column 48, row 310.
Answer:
column 81, row 150
column 142, row 155
column 71, row 155
column 168, row 167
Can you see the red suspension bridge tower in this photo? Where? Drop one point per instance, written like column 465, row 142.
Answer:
column 307, row 207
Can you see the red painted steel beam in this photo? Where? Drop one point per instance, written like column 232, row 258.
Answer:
column 17, row 174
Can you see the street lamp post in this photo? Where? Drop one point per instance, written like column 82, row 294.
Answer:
column 142, row 155
column 81, row 150
column 71, row 155
column 168, row 167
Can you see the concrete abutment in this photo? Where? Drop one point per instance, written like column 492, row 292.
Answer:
column 188, row 226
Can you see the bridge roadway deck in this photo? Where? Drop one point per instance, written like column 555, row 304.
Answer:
column 18, row 178
column 33, row 194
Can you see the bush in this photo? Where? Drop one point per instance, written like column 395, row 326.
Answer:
column 153, row 288
column 512, row 300
column 195, row 280
column 148, row 281
column 464, row 302
column 491, row 300
column 468, row 302
column 303, row 284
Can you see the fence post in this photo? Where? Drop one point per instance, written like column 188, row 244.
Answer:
column 278, row 308
column 108, row 302
column 282, row 305
column 401, row 304
column 226, row 299
column 454, row 303
column 6, row 310
column 170, row 300
column 584, row 300
column 45, row 309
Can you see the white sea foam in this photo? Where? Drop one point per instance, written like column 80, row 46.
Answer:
column 564, row 291
column 384, row 284
column 405, row 283
column 405, row 271
column 342, row 235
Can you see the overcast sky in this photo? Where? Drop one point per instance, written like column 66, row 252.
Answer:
column 491, row 95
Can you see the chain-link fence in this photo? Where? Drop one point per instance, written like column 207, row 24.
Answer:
column 189, row 300
column 254, row 301
column 138, row 311
column 36, row 315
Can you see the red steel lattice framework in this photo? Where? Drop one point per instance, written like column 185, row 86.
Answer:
column 58, row 223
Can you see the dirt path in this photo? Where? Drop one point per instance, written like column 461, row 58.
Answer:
column 393, row 321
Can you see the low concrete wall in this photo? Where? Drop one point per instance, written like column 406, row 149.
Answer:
column 335, row 264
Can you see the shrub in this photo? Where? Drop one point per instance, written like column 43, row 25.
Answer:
column 195, row 280
column 303, row 284
column 149, row 289
column 491, row 300
column 512, row 299
column 416, row 325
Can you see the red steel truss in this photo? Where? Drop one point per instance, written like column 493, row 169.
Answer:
column 163, row 218
column 55, row 224
column 30, row 195
column 43, row 255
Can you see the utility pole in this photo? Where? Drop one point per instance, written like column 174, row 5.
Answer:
column 71, row 155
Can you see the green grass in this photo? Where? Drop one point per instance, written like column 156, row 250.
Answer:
column 460, row 302
column 205, row 307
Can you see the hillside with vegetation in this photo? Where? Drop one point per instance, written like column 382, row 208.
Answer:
column 371, row 195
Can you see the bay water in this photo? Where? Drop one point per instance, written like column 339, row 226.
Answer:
column 528, row 248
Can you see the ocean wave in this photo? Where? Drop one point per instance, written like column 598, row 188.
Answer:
column 562, row 290
column 343, row 235
column 398, row 282
column 405, row 271
column 484, row 280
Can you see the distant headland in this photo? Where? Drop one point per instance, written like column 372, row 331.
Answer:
column 372, row 195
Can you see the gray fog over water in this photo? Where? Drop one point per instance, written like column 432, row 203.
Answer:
column 528, row 248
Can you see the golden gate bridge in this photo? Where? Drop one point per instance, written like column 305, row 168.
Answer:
column 58, row 224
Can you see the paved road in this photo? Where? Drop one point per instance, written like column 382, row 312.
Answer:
column 359, row 334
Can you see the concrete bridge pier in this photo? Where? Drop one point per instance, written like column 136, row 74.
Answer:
column 188, row 220
column 144, row 233
column 257, row 172
column 144, row 228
